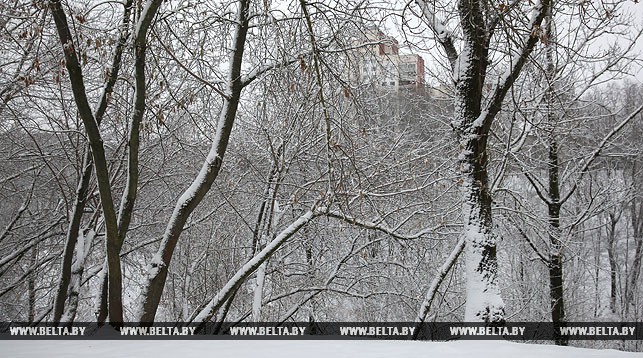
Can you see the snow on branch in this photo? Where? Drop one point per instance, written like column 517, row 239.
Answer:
column 145, row 20
column 240, row 276
column 442, row 34
column 437, row 280
column 379, row 227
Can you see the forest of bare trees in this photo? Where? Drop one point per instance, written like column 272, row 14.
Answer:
column 198, row 161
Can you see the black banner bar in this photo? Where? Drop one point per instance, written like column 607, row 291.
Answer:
column 435, row 331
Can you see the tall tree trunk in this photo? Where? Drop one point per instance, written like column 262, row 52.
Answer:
column 114, row 225
column 483, row 301
column 472, row 126
column 98, row 152
column 83, row 182
column 554, row 204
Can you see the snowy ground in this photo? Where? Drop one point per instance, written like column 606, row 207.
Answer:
column 299, row 349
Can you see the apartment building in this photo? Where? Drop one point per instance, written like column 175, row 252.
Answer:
column 380, row 64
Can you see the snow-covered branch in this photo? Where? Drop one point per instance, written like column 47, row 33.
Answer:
column 145, row 20
column 240, row 276
column 379, row 227
column 437, row 281
column 442, row 34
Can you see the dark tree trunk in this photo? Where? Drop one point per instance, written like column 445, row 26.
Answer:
column 611, row 242
column 98, row 152
column 556, row 291
column 31, row 287
column 554, row 204
column 83, row 182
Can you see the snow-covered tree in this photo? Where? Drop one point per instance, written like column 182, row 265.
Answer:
column 478, row 100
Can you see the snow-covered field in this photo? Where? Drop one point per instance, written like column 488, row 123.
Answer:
column 299, row 349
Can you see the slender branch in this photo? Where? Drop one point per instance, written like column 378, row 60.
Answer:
column 599, row 149
column 41, row 236
column 537, row 185
column 131, row 187
column 239, row 277
column 20, row 280
column 495, row 104
column 493, row 23
column 191, row 73
column 437, row 281
column 531, row 244
column 320, row 83
column 258, row 72
column 21, row 210
column 379, row 227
